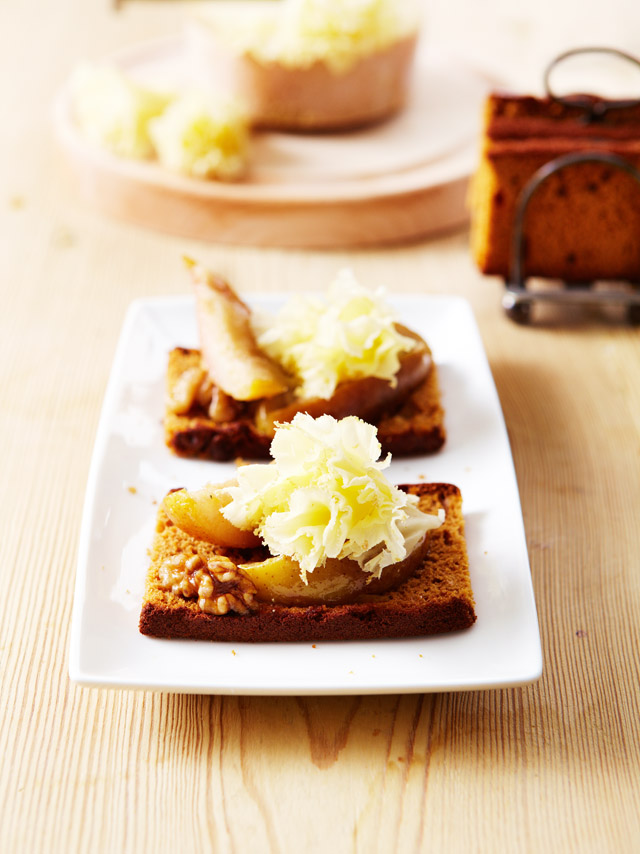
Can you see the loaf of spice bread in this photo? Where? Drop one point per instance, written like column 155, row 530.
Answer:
column 437, row 598
column 583, row 222
column 416, row 427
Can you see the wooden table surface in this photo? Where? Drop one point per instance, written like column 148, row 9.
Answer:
column 550, row 767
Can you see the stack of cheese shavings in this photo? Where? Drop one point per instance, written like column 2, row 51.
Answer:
column 337, row 33
column 192, row 133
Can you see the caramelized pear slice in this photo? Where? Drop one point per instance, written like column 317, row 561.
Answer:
column 277, row 579
column 232, row 357
column 367, row 397
column 198, row 514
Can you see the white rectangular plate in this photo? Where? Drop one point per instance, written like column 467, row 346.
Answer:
column 132, row 470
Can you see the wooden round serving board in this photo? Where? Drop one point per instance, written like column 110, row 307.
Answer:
column 400, row 180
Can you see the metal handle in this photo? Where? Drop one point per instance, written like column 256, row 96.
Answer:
column 595, row 108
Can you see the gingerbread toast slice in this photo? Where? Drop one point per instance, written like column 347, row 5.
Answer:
column 437, row 598
column 416, row 428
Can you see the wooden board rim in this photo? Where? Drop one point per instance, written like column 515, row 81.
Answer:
column 434, row 192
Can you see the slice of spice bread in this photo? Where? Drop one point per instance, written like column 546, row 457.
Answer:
column 194, row 590
column 583, row 221
column 417, row 427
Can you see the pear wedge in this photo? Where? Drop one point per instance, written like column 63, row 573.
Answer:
column 231, row 355
column 278, row 579
column 198, row 513
column 367, row 397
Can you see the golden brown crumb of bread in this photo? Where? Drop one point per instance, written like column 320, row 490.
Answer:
column 582, row 223
column 437, row 598
column 416, row 428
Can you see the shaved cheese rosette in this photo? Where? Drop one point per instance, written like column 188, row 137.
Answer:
column 201, row 136
column 323, row 342
column 325, row 496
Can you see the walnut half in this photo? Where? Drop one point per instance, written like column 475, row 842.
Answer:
column 217, row 583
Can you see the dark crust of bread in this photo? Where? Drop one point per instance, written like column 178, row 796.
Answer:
column 416, row 428
column 525, row 117
column 436, row 599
